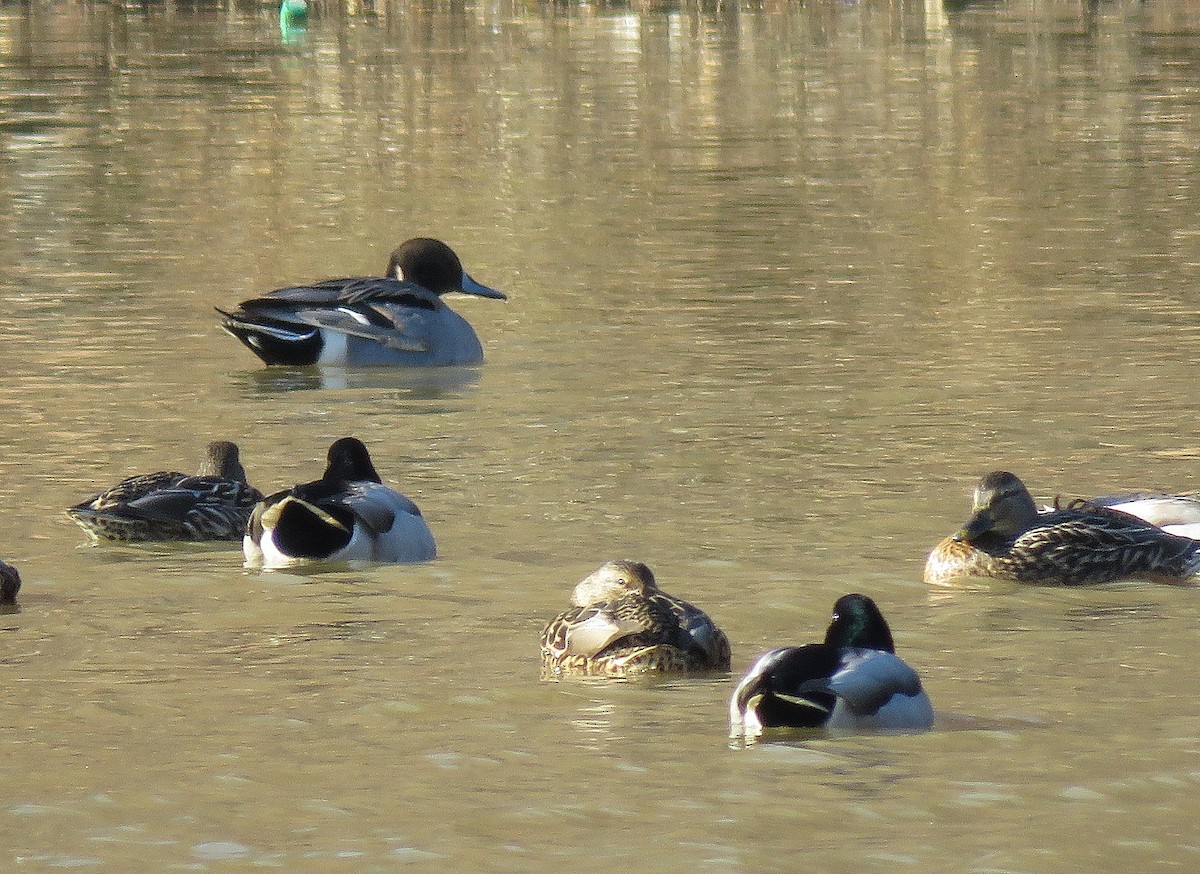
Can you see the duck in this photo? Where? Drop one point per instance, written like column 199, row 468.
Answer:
column 399, row 318
column 213, row 504
column 852, row 682
column 1008, row 538
column 10, row 584
column 621, row 624
column 346, row 515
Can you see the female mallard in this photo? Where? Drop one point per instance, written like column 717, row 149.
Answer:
column 346, row 515
column 1008, row 538
column 397, row 319
column 622, row 623
column 214, row 504
column 10, row 584
column 852, row 682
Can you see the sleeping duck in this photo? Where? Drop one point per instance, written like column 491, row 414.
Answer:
column 622, row 623
column 1009, row 538
column 397, row 319
column 214, row 504
column 852, row 682
column 346, row 515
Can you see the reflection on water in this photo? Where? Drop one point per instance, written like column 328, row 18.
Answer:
column 793, row 276
column 404, row 383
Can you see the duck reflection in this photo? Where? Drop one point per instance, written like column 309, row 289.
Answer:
column 417, row 383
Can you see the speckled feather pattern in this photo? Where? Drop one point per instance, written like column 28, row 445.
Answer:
column 664, row 646
column 212, row 505
column 1071, row 547
column 666, row 635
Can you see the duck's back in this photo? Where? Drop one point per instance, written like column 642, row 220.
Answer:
column 391, row 527
column 167, row 506
column 632, row 635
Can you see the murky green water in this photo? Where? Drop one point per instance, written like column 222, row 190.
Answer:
column 784, row 281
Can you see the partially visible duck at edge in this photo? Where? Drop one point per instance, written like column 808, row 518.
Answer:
column 621, row 623
column 10, row 584
column 852, row 682
column 396, row 319
column 1007, row 537
column 214, row 504
column 1176, row 514
column 346, row 515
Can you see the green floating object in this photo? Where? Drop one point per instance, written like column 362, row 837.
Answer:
column 293, row 13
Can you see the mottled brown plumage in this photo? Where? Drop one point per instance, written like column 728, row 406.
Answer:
column 621, row 623
column 213, row 504
column 1008, row 538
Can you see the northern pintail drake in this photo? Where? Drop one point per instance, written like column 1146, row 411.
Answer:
column 346, row 515
column 214, row 504
column 10, row 584
column 621, row 623
column 1007, row 537
column 396, row 319
column 854, row 681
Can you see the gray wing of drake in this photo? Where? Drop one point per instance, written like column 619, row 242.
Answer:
column 393, row 314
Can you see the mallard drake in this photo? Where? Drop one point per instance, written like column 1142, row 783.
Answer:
column 397, row 319
column 852, row 682
column 10, row 584
column 214, row 504
column 622, row 623
column 1008, row 538
column 346, row 515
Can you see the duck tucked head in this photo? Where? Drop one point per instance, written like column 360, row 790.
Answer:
column 307, row 523
column 1003, row 510
column 346, row 515
column 612, row 581
column 852, row 681
column 433, row 265
column 621, row 623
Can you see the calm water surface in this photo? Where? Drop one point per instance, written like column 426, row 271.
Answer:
column 784, row 281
